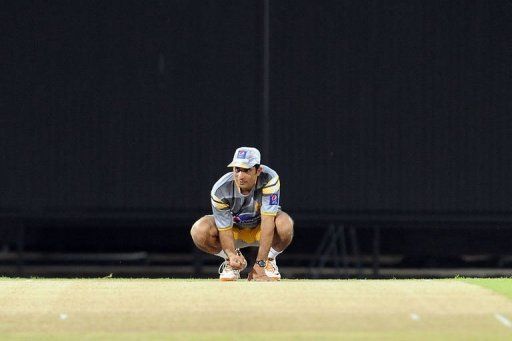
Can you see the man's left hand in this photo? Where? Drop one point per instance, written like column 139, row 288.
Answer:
column 258, row 274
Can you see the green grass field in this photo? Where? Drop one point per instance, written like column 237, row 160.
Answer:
column 124, row 309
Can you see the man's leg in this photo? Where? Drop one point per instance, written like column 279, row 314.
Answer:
column 283, row 236
column 206, row 237
column 283, row 233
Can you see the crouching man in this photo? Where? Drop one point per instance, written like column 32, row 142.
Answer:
column 246, row 212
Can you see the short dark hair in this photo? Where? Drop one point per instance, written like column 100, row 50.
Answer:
column 256, row 166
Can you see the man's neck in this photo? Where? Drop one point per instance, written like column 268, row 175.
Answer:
column 245, row 192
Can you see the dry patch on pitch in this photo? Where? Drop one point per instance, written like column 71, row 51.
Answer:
column 393, row 309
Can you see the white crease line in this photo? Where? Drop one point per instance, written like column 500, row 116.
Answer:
column 503, row 320
column 415, row 317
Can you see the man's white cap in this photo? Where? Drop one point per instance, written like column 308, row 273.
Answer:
column 246, row 157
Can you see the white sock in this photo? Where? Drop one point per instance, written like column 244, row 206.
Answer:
column 222, row 254
column 273, row 253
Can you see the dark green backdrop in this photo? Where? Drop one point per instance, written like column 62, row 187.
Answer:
column 375, row 106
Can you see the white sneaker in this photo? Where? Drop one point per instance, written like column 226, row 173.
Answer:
column 271, row 269
column 227, row 273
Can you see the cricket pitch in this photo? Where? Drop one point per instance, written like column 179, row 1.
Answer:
column 291, row 309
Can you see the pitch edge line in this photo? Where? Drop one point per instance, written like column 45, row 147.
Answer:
column 415, row 317
column 503, row 320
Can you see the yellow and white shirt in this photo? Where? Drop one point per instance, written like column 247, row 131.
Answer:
column 232, row 208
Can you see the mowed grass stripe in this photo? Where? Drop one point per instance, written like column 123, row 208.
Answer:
column 147, row 308
column 500, row 285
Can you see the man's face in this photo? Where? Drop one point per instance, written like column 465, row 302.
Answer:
column 246, row 178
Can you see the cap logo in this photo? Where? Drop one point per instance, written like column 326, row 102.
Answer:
column 241, row 154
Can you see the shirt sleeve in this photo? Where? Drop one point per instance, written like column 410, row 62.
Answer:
column 221, row 213
column 270, row 202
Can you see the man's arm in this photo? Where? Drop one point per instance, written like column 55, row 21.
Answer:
column 227, row 242
column 269, row 208
column 224, row 222
column 267, row 234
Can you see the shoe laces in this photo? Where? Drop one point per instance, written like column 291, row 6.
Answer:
column 271, row 264
column 223, row 266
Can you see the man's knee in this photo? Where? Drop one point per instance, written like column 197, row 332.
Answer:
column 284, row 225
column 284, row 221
column 200, row 231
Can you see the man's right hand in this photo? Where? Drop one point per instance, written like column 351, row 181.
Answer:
column 237, row 262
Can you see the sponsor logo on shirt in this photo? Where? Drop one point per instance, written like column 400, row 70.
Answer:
column 274, row 199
